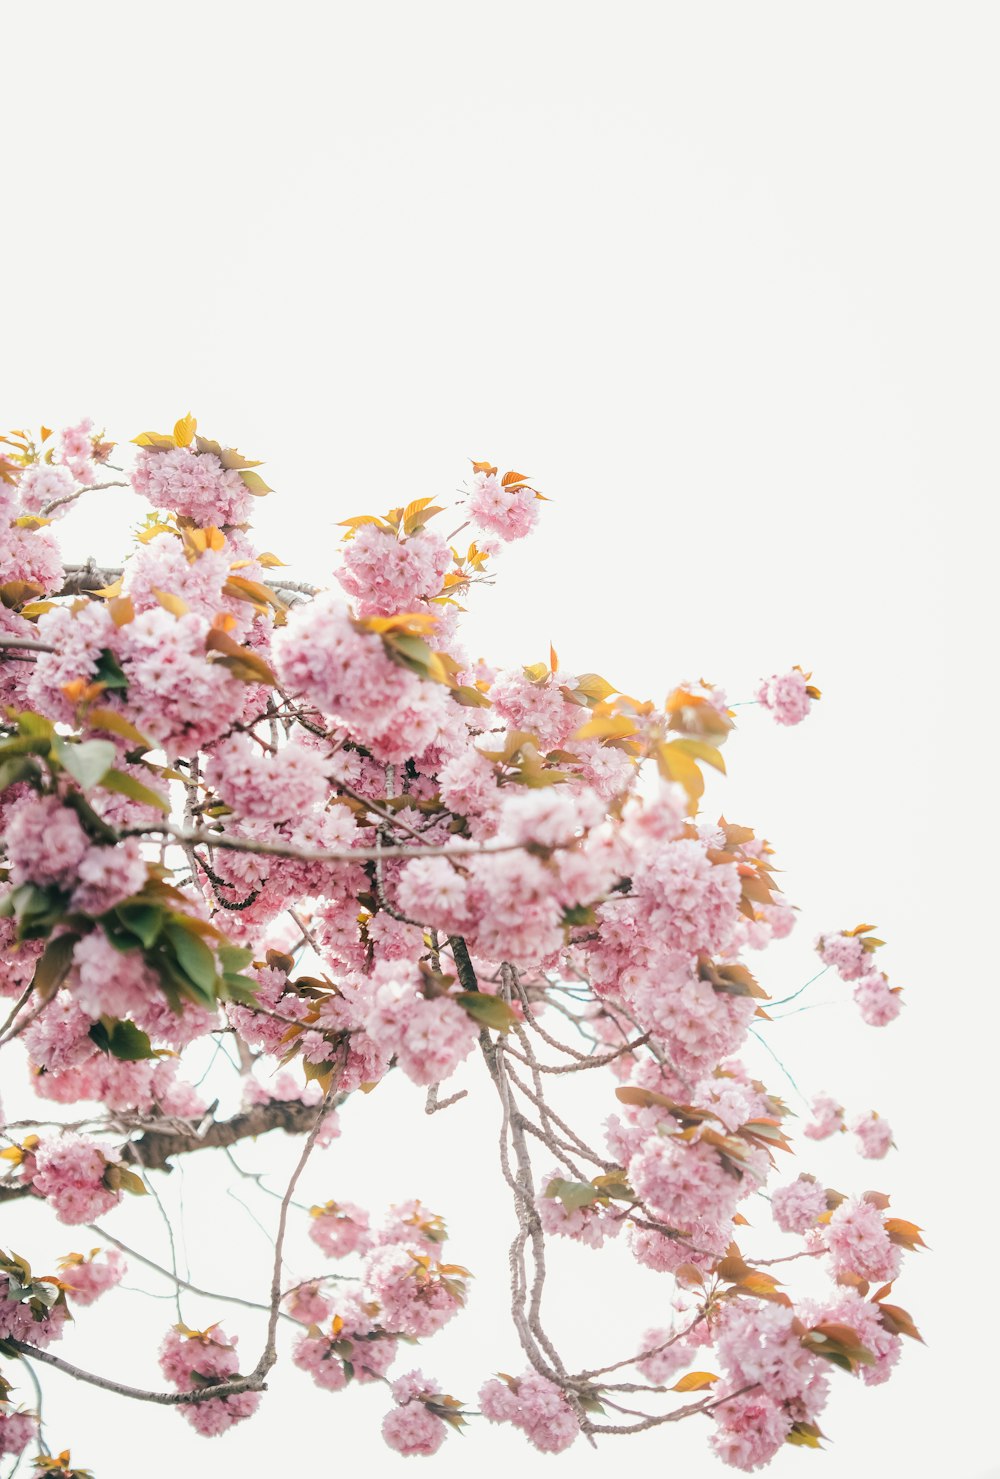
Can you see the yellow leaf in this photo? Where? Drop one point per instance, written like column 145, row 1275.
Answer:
column 269, row 561
column 153, row 531
column 592, row 685
column 695, row 1381
column 410, row 621
column 153, row 439
column 675, row 765
column 174, row 604
column 700, row 751
column 553, row 659
column 255, row 483
column 184, row 430
column 109, row 592
column 607, row 726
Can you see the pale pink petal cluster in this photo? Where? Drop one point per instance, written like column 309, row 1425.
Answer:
column 509, row 513
column 86, row 1279
column 194, row 484
column 70, row 1173
column 827, row 1118
column 386, row 575
column 535, row 1405
column 799, row 1205
column 785, row 696
column 858, row 1243
column 873, row 1134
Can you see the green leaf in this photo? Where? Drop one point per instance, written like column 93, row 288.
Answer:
column 116, row 723
column 124, row 784
column 109, row 672
column 242, row 989
column 233, row 958
column 88, row 762
column 25, row 744
column 255, row 484
column 492, row 1011
column 53, row 965
column 573, row 1194
column 193, row 955
column 122, row 1040
column 21, row 768
column 142, row 920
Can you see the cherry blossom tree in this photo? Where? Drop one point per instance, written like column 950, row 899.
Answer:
column 302, row 833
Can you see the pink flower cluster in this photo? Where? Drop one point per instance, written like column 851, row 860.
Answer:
column 267, row 786
column 786, row 696
column 535, row 1405
column 798, row 1206
column 417, row 1296
column 858, row 1243
column 386, row 575
column 874, row 1135
column 827, row 1118
column 427, row 1037
column 16, row 1430
column 194, row 484
column 413, row 1427
column 347, row 673
column 87, row 1277
column 70, row 1172
column 196, row 1360
column 340, row 1228
column 510, row 513
column 877, row 1001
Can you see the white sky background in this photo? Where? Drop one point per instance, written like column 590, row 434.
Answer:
column 723, row 280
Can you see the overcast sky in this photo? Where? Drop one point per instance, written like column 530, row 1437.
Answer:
column 723, row 279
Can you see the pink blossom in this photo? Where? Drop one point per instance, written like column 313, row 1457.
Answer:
column 16, row 1431
column 785, row 696
column 758, row 1344
column 348, row 674
column 387, row 575
column 827, row 1118
column 416, row 1297
column 177, row 696
column 190, row 1361
column 589, row 1225
column 846, row 953
column 106, row 876
column 667, row 1354
column 87, row 1278
column 45, row 842
column 43, row 483
column 510, row 513
column 413, row 1429
column 340, row 1228
column 79, row 635
column 535, row 1405
column 864, row 1317
column 428, row 1037
column 878, row 1002
column 751, row 1429
column 799, row 1205
column 874, row 1136
column 269, row 787
column 70, row 1171
column 194, row 484
column 858, row 1243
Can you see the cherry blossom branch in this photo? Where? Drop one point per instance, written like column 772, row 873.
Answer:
column 251, row 1383
column 316, row 854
